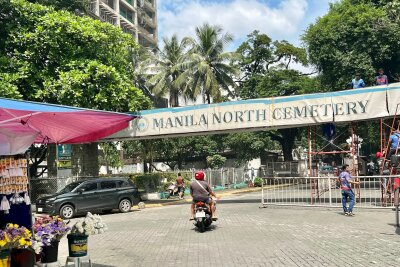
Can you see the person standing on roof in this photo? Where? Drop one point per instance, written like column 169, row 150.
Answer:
column 357, row 82
column 381, row 79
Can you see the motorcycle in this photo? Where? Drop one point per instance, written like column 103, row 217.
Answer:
column 172, row 190
column 202, row 217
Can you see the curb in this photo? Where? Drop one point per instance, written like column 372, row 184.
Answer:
column 189, row 200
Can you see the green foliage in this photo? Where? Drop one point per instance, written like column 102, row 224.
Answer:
column 255, row 53
column 355, row 36
column 259, row 53
column 165, row 66
column 70, row 5
column 8, row 88
column 206, row 66
column 174, row 151
column 266, row 73
column 110, row 156
column 152, row 181
column 61, row 58
column 248, row 146
column 258, row 182
column 216, row 161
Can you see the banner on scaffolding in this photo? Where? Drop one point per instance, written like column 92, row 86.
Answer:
column 265, row 113
column 393, row 98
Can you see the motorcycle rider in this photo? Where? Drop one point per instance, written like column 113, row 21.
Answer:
column 180, row 184
column 200, row 190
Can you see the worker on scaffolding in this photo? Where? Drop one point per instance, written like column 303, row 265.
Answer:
column 393, row 144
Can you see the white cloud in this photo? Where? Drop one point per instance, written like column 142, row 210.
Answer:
column 287, row 20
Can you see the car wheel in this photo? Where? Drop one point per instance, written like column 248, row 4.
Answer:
column 125, row 205
column 67, row 211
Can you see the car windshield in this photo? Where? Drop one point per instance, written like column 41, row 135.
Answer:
column 70, row 187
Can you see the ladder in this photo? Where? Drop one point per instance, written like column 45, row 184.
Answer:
column 386, row 184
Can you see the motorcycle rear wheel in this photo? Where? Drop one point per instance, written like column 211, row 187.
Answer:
column 202, row 227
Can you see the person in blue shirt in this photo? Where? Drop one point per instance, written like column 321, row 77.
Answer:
column 393, row 143
column 347, row 193
column 357, row 82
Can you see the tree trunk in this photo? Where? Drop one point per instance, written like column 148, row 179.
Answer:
column 287, row 142
column 180, row 164
column 51, row 160
column 151, row 162
column 145, row 168
column 173, row 100
column 208, row 98
column 85, row 160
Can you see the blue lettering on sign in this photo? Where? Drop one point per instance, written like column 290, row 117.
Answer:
column 258, row 115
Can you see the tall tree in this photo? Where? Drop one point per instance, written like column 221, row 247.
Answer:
column 54, row 56
column 266, row 72
column 207, row 71
column 166, row 71
column 57, row 57
column 71, row 5
column 355, row 36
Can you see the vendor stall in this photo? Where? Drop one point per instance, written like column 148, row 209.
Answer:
column 14, row 191
column 23, row 123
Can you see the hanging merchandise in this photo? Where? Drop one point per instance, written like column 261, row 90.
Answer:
column 13, row 181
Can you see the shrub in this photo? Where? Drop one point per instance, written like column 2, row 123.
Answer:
column 216, row 161
column 258, row 182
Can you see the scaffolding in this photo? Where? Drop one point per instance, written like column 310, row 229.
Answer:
column 330, row 148
column 388, row 169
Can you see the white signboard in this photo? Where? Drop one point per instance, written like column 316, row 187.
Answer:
column 265, row 113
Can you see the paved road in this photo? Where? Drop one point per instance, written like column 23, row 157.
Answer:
column 247, row 236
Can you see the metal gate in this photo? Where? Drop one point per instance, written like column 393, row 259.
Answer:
column 373, row 191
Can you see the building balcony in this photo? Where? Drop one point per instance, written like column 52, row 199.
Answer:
column 129, row 5
column 107, row 14
column 128, row 23
column 149, row 36
column 147, row 20
column 149, row 5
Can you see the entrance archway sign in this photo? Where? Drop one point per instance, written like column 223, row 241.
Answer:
column 265, row 113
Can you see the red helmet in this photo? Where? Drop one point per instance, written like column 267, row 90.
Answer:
column 199, row 175
column 378, row 155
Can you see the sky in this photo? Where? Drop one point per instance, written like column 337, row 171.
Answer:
column 280, row 19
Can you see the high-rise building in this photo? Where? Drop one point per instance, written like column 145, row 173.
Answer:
column 136, row 17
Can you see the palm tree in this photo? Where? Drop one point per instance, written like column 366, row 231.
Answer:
column 164, row 72
column 206, row 66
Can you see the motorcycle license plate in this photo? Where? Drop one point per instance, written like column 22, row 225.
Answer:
column 200, row 214
column 40, row 209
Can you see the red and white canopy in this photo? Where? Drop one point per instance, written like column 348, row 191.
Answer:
column 23, row 123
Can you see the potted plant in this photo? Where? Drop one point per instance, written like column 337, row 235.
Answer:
column 23, row 247
column 78, row 238
column 4, row 249
column 49, row 231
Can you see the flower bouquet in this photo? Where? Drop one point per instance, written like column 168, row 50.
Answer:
column 92, row 224
column 78, row 238
column 49, row 231
column 4, row 249
column 22, row 245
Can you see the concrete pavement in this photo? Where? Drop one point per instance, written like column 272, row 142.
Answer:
column 246, row 235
